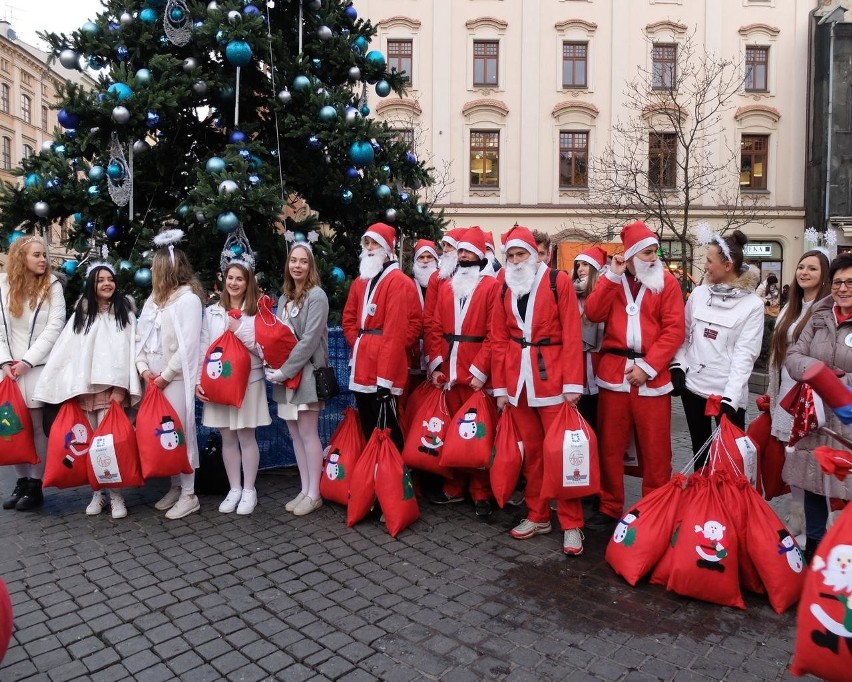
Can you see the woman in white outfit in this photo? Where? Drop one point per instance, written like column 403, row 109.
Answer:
column 169, row 356
column 33, row 312
column 237, row 425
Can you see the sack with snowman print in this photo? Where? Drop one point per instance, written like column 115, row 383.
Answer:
column 470, row 435
column 160, row 437
column 427, row 432
column 68, row 448
column 113, row 460
column 570, row 457
column 340, row 456
column 225, row 370
column 395, row 489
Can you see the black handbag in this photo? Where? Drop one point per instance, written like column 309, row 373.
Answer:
column 326, row 383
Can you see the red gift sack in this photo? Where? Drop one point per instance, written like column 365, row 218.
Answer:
column 395, row 489
column 160, row 437
column 225, row 371
column 412, row 404
column 113, row 460
column 734, row 499
column 427, row 432
column 824, row 627
column 16, row 426
column 470, row 435
column 340, row 456
column 507, row 457
column 732, row 451
column 68, row 448
column 362, row 488
column 571, row 466
column 771, row 460
column 642, row 535
column 704, row 563
column 275, row 340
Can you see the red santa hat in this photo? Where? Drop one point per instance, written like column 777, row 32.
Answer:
column 489, row 242
column 519, row 236
column 636, row 236
column 473, row 240
column 452, row 236
column 425, row 246
column 385, row 235
column 594, row 256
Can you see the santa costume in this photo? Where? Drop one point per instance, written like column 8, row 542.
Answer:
column 421, row 273
column 595, row 257
column 446, row 267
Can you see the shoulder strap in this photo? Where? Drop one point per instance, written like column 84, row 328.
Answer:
column 554, row 273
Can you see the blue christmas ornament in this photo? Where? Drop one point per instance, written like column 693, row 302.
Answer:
column 94, row 191
column 299, row 237
column 227, row 222
column 90, row 226
column 346, row 196
column 69, row 267
column 316, row 63
column 350, row 12
column 125, row 265
column 314, row 142
column 184, row 210
column 221, row 38
column 375, row 59
column 67, row 120
column 227, row 94
column 344, row 32
column 143, row 77
column 251, row 11
column 327, row 114
column 14, row 237
column 337, row 274
column 255, row 162
column 148, row 16
column 90, row 28
column 238, row 137
column 121, row 91
column 113, row 26
column 383, row 88
column 115, row 171
column 71, row 133
column 411, row 159
column 386, row 169
column 376, row 146
column 301, row 83
column 113, row 232
column 404, row 196
column 361, row 153
column 214, row 165
column 78, row 217
column 383, row 192
column 245, row 154
column 49, row 184
column 96, row 173
column 164, row 42
column 152, row 119
column 122, row 53
column 96, row 63
column 365, row 110
column 142, row 277
column 238, row 52
column 361, row 43
column 352, row 172
column 59, row 149
column 177, row 14
column 254, row 180
column 32, row 180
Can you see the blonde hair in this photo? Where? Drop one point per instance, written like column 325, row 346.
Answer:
column 312, row 280
column 170, row 269
column 252, row 290
column 19, row 276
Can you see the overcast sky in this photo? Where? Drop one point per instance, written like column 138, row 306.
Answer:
column 29, row 16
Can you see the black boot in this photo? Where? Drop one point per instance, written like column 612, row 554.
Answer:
column 811, row 545
column 17, row 493
column 32, row 497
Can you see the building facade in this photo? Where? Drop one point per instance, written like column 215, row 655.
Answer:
column 511, row 101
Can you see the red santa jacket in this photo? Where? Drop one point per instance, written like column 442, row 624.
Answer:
column 646, row 331
column 459, row 343
column 543, row 351
column 417, row 361
column 377, row 326
column 429, row 304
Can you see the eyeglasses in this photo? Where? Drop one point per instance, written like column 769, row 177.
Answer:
column 836, row 284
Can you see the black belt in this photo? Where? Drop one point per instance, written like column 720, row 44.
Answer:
column 542, row 371
column 453, row 339
column 629, row 353
column 372, row 332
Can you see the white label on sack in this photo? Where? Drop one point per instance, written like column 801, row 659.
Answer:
column 104, row 460
column 575, row 459
column 749, row 454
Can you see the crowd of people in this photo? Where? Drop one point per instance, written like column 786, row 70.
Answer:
column 612, row 337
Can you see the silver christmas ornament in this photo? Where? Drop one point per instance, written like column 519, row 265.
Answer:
column 212, row 7
column 140, row 147
column 126, row 19
column 324, row 33
column 200, row 218
column 200, row 88
column 190, row 64
column 285, row 97
column 47, row 146
column 120, row 115
column 234, row 17
column 69, row 59
column 390, row 215
column 228, row 187
column 354, row 73
column 352, row 116
column 313, row 4
column 41, row 209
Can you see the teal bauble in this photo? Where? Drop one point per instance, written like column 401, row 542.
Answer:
column 115, row 171
column 184, row 210
column 301, row 83
column 69, row 267
column 337, row 274
column 327, row 114
column 90, row 28
column 383, row 88
column 148, row 16
column 143, row 77
column 17, row 234
column 361, row 153
column 346, row 196
column 299, row 237
column 32, row 180
column 375, row 59
column 383, row 192
column 361, row 43
column 238, row 52
column 214, row 165
column 142, row 277
column 125, row 265
column 96, row 173
column 227, row 222
column 94, row 191
column 121, row 91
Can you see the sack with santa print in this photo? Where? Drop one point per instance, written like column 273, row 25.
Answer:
column 339, row 458
column 427, row 432
column 362, row 487
column 570, row 454
column 68, row 448
column 507, row 457
column 274, row 339
column 113, row 460
column 824, row 617
column 394, row 489
column 160, row 437
column 643, row 534
column 408, row 413
column 470, row 435
column 225, row 370
column 16, row 426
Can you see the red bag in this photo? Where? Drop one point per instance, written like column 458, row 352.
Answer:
column 113, row 460
column 16, row 426
column 507, row 457
column 427, row 433
column 732, row 451
column 771, row 460
column 704, row 564
column 395, row 489
column 412, row 404
column 340, row 456
column 824, row 633
column 68, row 448
column 733, row 497
column 642, row 535
column 225, row 372
column 362, row 488
column 470, row 435
column 571, row 466
column 274, row 339
column 160, row 437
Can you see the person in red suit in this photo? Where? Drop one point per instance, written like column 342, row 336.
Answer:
column 641, row 303
column 446, row 267
column 424, row 265
column 377, row 320
column 538, row 365
column 460, row 352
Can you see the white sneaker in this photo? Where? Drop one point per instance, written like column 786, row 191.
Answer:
column 169, row 499
column 307, row 505
column 248, row 502
column 572, row 542
column 97, row 504
column 186, row 505
column 119, row 508
column 231, row 501
column 795, row 518
column 292, row 504
column 526, row 529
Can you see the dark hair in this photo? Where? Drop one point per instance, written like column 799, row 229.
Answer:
column 843, row 261
column 86, row 310
column 735, row 243
column 772, row 279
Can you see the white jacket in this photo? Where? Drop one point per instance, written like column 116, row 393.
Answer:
column 724, row 331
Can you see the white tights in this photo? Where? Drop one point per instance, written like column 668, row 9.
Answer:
column 40, row 439
column 306, row 443
column 239, row 449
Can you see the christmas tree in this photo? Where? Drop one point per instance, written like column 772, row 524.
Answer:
column 222, row 118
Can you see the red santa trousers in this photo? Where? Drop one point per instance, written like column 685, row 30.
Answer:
column 651, row 419
column 536, row 421
column 478, row 479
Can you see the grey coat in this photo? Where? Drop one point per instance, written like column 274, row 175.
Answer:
column 311, row 328
column 821, row 339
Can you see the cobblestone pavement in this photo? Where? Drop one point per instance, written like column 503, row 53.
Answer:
column 272, row 596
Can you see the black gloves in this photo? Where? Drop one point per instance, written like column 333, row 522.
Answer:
column 678, row 378
column 728, row 410
column 383, row 394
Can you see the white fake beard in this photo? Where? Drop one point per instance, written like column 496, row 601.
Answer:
column 464, row 281
column 371, row 263
column 520, row 276
column 492, row 259
column 447, row 264
column 423, row 271
column 650, row 274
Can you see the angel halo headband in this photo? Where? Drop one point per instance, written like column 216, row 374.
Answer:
column 168, row 238
column 99, row 264
column 705, row 236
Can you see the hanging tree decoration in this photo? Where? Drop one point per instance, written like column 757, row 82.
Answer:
column 177, row 23
column 238, row 249
column 120, row 182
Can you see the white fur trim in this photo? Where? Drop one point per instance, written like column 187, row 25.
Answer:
column 524, row 245
column 638, row 246
column 588, row 259
column 425, row 249
column 376, row 237
column 467, row 246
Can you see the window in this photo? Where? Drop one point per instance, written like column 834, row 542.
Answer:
column 26, row 109
column 4, row 65
column 756, row 69
column 662, row 155
column 7, row 154
column 4, row 98
column 574, row 56
column 399, row 57
column 664, row 67
column 485, row 60
column 484, row 158
column 28, row 151
column 573, row 159
column 44, row 118
column 753, row 161
column 26, row 78
column 406, row 136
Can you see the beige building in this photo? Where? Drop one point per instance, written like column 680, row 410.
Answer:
column 512, row 100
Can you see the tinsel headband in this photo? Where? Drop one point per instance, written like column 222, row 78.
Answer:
column 704, row 236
